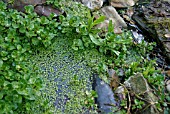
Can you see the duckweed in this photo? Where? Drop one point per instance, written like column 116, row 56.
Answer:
column 67, row 76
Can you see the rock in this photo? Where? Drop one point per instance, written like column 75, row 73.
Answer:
column 154, row 21
column 93, row 4
column 105, row 99
column 19, row 4
column 143, row 88
column 166, row 1
column 168, row 85
column 122, row 3
column 133, row 84
column 38, row 5
column 47, row 10
column 111, row 14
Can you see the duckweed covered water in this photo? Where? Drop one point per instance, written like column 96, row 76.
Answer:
column 67, row 76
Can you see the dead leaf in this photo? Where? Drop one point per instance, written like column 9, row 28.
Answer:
column 126, row 17
column 130, row 12
column 168, row 73
column 114, row 82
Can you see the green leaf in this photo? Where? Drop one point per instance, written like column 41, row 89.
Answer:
column 2, row 5
column 22, row 92
column 15, row 84
column 19, row 47
column 110, row 27
column 29, row 9
column 17, row 99
column 99, row 20
column 44, row 20
column 32, row 80
column 6, row 83
column 2, row 80
column 90, row 23
column 1, row 94
column 95, row 40
column 35, row 41
column 15, row 25
column 1, row 63
column 116, row 52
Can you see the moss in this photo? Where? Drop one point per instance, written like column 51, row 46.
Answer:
column 66, row 75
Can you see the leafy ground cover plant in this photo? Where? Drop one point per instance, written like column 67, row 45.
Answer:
column 21, row 33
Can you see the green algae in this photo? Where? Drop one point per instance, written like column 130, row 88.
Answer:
column 67, row 75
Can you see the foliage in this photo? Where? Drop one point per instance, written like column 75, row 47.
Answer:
column 120, row 50
column 20, row 35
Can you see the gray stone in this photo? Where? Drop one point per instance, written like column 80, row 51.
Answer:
column 122, row 3
column 111, row 14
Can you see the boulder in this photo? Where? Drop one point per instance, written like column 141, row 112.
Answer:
column 122, row 3
column 111, row 14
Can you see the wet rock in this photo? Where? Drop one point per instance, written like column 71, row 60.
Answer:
column 137, row 37
column 111, row 14
column 138, row 85
column 105, row 99
column 122, row 3
column 93, row 4
column 154, row 20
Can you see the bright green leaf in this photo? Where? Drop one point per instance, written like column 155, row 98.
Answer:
column 99, row 20
column 1, row 63
column 95, row 40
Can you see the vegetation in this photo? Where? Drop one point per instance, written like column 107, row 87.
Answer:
column 22, row 84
